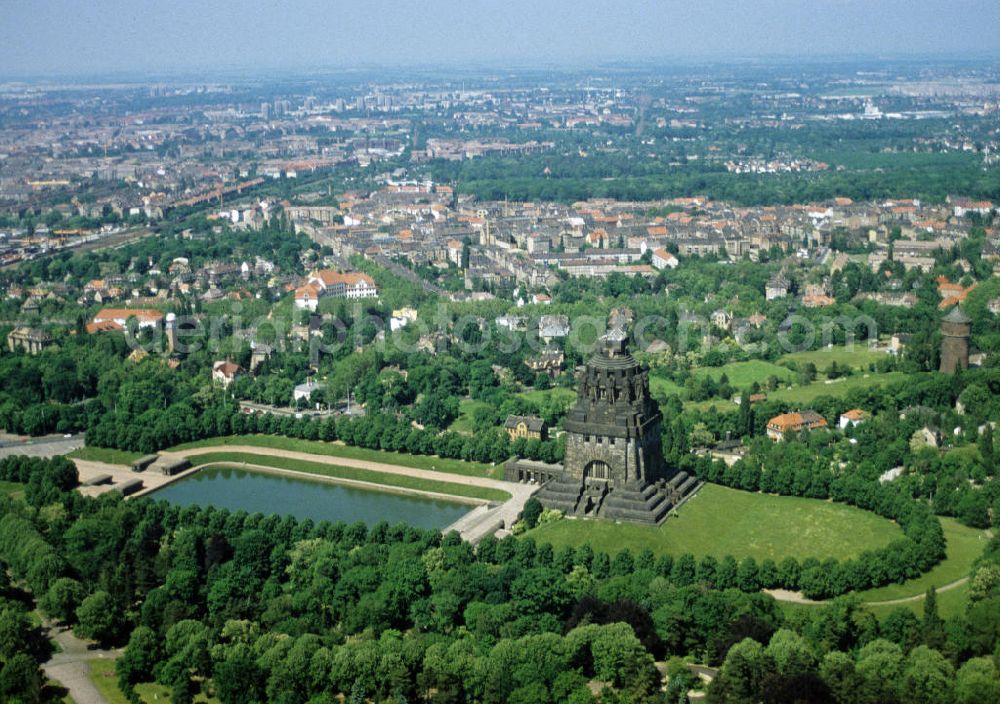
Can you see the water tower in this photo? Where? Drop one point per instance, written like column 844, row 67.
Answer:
column 956, row 327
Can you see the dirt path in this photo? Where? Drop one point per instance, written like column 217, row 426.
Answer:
column 797, row 598
column 70, row 667
column 917, row 597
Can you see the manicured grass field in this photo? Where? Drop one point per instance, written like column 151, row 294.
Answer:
column 964, row 545
column 401, row 481
column 809, row 393
column 858, row 357
column 743, row 374
column 105, row 454
column 719, row 521
column 333, row 449
column 102, row 676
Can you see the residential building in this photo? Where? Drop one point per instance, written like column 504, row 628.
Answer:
column 225, row 373
column 662, row 259
column 853, row 417
column 118, row 317
column 528, row 427
column 794, row 422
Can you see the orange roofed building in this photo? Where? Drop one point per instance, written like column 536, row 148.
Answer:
column 794, row 423
column 327, row 282
column 108, row 319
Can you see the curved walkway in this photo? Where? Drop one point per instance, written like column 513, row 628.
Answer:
column 797, row 598
column 345, row 462
column 71, row 667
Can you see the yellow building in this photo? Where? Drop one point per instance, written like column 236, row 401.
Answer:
column 528, row 427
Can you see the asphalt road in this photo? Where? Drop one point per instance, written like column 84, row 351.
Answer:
column 42, row 446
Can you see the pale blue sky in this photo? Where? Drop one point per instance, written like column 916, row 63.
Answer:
column 77, row 36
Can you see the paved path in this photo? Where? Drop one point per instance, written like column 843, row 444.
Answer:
column 473, row 527
column 120, row 473
column 348, row 462
column 46, row 446
column 797, row 598
column 70, row 667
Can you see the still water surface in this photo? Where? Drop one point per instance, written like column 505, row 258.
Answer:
column 234, row 489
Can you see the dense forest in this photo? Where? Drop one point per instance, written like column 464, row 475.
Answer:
column 252, row 609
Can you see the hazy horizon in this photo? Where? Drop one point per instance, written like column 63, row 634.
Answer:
column 59, row 38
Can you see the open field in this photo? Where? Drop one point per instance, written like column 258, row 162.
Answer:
column 858, row 357
column 836, row 389
column 743, row 374
column 102, row 675
column 719, row 521
column 333, row 449
column 400, row 481
column 105, row 454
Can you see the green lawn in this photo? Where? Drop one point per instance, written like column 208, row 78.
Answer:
column 661, row 385
column 950, row 604
column 963, row 546
column 105, row 454
column 539, row 396
column 466, row 407
column 721, row 406
column 332, row 449
column 401, row 481
column 743, row 374
column 102, row 675
column 11, row 488
column 858, row 357
column 809, row 393
column 719, row 521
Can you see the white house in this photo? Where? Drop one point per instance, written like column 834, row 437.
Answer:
column 304, row 391
column 852, row 417
column 225, row 373
column 401, row 317
column 343, row 285
column 307, row 297
column 662, row 259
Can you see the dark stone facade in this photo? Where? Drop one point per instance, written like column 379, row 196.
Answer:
column 614, row 465
column 956, row 328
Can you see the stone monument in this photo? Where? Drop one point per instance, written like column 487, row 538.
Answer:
column 614, row 466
